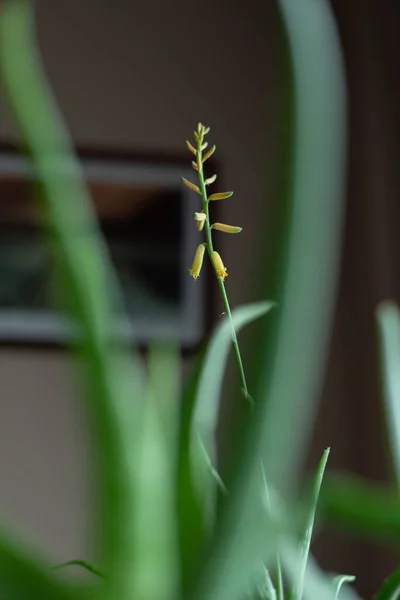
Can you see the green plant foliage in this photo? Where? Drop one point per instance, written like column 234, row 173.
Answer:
column 391, row 588
column 316, row 583
column 297, row 593
column 88, row 566
column 209, row 392
column 360, row 507
column 23, row 577
column 113, row 380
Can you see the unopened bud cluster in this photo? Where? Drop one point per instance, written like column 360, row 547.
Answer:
column 202, row 217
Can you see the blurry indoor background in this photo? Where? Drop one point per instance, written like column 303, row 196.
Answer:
column 137, row 76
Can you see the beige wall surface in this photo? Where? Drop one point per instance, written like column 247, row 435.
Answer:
column 133, row 76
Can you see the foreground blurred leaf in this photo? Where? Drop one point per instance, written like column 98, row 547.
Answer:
column 113, row 378
column 23, row 578
column 360, row 507
column 88, row 566
column 209, row 394
column 306, row 542
column 391, row 588
column 199, row 409
column 289, row 384
column 189, row 509
column 389, row 327
column 209, row 388
column 155, row 572
column 317, row 585
column 341, row 580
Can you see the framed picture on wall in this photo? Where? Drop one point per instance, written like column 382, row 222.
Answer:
column 146, row 217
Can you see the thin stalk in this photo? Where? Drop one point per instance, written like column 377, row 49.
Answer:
column 210, row 249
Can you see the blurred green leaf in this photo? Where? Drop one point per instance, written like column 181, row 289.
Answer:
column 88, row 566
column 340, row 580
column 189, row 509
column 388, row 317
column 24, row 578
column 209, row 390
column 306, row 541
column 391, row 588
column 266, row 590
column 317, row 585
column 360, row 507
column 311, row 249
column 205, row 378
column 155, row 573
column 114, row 379
column 209, row 393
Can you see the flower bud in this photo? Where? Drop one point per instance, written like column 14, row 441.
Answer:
column 210, row 180
column 209, row 153
column 191, row 186
column 220, row 196
column 191, row 148
column 226, row 228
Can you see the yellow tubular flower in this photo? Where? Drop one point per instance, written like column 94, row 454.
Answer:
column 219, row 265
column 198, row 261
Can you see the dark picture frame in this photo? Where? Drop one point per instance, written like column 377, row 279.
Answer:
column 146, row 216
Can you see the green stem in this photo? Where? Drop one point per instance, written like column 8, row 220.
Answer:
column 210, row 249
column 235, row 344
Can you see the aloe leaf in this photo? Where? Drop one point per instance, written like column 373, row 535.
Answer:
column 156, row 559
column 360, row 507
column 306, row 541
column 191, row 526
column 88, row 566
column 113, row 377
column 207, row 401
column 25, row 578
column 316, row 583
column 209, row 389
